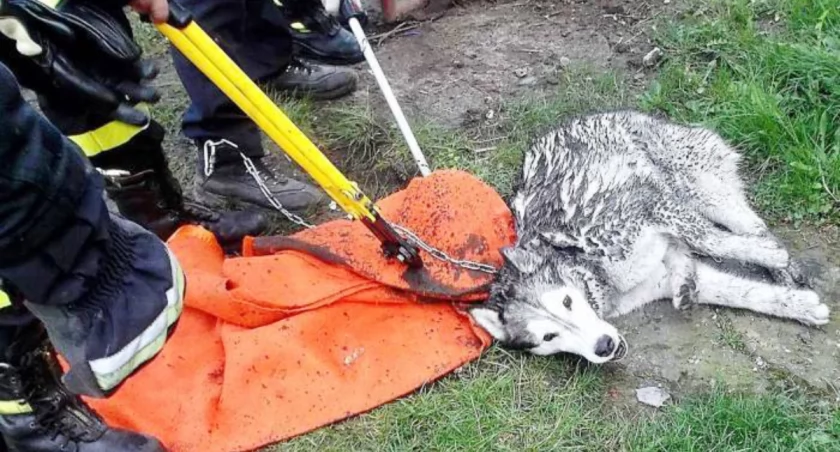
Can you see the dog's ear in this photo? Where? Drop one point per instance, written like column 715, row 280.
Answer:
column 489, row 318
column 522, row 260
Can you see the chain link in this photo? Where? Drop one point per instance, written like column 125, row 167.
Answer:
column 410, row 236
column 440, row 255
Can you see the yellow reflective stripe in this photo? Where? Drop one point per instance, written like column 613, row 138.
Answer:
column 8, row 407
column 5, row 301
column 300, row 27
column 109, row 136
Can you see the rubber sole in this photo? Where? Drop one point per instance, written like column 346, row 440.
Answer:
column 312, row 53
column 211, row 199
column 333, row 94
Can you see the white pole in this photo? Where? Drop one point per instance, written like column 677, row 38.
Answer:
column 389, row 96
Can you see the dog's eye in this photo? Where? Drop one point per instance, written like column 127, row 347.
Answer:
column 567, row 302
column 549, row 337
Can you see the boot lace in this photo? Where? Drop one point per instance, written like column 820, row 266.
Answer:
column 298, row 66
column 57, row 413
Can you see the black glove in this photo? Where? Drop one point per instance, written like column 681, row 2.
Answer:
column 80, row 52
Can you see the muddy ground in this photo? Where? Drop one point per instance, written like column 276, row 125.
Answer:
column 456, row 70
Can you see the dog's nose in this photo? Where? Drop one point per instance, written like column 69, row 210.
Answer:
column 605, row 346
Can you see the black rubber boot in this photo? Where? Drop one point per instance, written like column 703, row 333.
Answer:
column 39, row 415
column 227, row 177
column 148, row 200
column 318, row 35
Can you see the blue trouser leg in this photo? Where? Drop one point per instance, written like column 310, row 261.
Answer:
column 259, row 48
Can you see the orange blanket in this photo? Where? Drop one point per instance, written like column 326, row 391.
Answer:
column 307, row 330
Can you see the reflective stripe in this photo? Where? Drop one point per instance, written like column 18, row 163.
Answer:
column 5, row 301
column 300, row 27
column 111, row 370
column 8, row 407
column 109, row 136
column 14, row 29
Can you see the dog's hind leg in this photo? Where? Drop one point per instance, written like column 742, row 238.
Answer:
column 764, row 249
column 723, row 289
column 714, row 183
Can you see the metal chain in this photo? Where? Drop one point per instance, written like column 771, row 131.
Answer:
column 440, row 255
column 410, row 236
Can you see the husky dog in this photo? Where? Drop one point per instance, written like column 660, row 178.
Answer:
column 619, row 209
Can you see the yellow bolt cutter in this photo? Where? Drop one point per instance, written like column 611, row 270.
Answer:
column 188, row 37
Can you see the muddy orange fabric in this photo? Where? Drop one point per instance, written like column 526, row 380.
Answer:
column 307, row 330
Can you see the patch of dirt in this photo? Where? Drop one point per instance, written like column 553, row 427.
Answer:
column 462, row 65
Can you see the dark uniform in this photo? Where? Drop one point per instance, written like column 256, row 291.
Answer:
column 145, row 192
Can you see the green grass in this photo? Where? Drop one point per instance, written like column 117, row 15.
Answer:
column 500, row 403
column 515, row 403
column 771, row 88
column 737, row 422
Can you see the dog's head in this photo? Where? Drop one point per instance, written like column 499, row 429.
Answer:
column 536, row 306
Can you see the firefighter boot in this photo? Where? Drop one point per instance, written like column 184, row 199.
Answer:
column 37, row 414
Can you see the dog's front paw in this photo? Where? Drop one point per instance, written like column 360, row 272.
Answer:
column 807, row 308
column 686, row 296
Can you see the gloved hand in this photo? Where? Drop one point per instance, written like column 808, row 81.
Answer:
column 80, row 51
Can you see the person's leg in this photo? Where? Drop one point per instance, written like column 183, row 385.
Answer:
column 220, row 130
column 140, row 181
column 99, row 283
